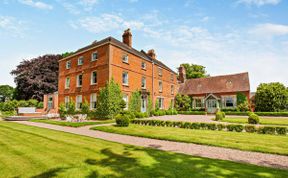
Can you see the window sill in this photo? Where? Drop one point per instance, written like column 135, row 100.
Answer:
column 126, row 85
column 143, row 69
column 125, row 62
column 93, row 60
column 160, row 91
column 93, row 84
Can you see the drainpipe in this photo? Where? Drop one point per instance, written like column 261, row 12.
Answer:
column 152, row 84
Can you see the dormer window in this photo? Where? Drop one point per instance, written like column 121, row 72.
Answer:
column 68, row 64
column 143, row 65
column 125, row 58
column 80, row 60
column 94, row 56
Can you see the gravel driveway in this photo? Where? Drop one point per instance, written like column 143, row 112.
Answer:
column 261, row 159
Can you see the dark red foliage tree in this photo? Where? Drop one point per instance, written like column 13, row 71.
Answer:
column 36, row 77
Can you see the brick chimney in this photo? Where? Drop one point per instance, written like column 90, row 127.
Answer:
column 127, row 37
column 182, row 74
column 151, row 53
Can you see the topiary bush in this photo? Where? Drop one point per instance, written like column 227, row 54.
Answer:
column 122, row 120
column 233, row 127
column 219, row 116
column 250, row 128
column 131, row 115
column 211, row 126
column 195, row 125
column 253, row 119
column 267, row 130
column 221, row 126
column 281, row 130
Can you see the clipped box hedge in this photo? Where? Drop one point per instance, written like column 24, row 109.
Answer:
column 215, row 126
column 192, row 112
column 279, row 114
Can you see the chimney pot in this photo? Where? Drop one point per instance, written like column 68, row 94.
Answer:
column 151, row 53
column 182, row 74
column 127, row 37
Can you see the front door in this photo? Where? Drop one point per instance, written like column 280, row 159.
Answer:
column 143, row 104
column 211, row 105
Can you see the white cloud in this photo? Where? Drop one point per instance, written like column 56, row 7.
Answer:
column 259, row 2
column 11, row 26
column 37, row 4
column 105, row 23
column 88, row 4
column 269, row 30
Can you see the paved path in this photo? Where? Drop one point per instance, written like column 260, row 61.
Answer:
column 261, row 159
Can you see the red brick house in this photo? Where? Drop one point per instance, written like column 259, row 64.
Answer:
column 215, row 92
column 83, row 73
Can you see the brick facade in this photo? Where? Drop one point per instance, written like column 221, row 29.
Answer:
column 109, row 64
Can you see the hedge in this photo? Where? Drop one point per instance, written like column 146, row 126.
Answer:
column 214, row 126
column 192, row 112
column 279, row 114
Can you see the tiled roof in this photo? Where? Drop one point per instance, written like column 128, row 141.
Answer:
column 118, row 43
column 218, row 84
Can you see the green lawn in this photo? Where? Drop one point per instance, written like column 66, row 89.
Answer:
column 27, row 151
column 243, row 141
column 264, row 121
column 71, row 124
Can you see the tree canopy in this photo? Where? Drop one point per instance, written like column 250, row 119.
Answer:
column 6, row 92
column 271, row 97
column 195, row 71
column 36, row 77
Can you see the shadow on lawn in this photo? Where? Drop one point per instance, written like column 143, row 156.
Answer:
column 169, row 165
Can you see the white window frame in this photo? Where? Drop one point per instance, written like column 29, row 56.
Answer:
column 91, row 80
column 93, row 100
column 68, row 64
column 143, row 65
column 160, row 71
column 172, row 77
column 67, row 84
column 125, row 58
column 172, row 89
column 92, row 56
column 195, row 102
column 66, row 100
column 78, row 102
column 161, row 102
column 123, row 83
column 143, row 79
column 81, row 58
column 126, row 99
column 160, row 88
column 78, row 80
column 233, row 101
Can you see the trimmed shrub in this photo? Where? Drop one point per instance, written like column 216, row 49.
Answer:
column 221, row 126
column 219, row 116
column 272, row 113
column 253, row 119
column 186, row 125
column 129, row 114
column 250, row 128
column 203, row 126
column 211, row 126
column 281, row 130
column 223, row 114
column 267, row 130
column 195, row 125
column 168, row 124
column 122, row 120
column 228, row 109
column 233, row 127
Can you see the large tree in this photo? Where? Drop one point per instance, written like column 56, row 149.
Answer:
column 6, row 92
column 36, row 77
column 194, row 71
column 271, row 97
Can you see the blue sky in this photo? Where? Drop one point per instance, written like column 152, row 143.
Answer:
column 226, row 36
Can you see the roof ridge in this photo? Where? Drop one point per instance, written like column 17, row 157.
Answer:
column 216, row 76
